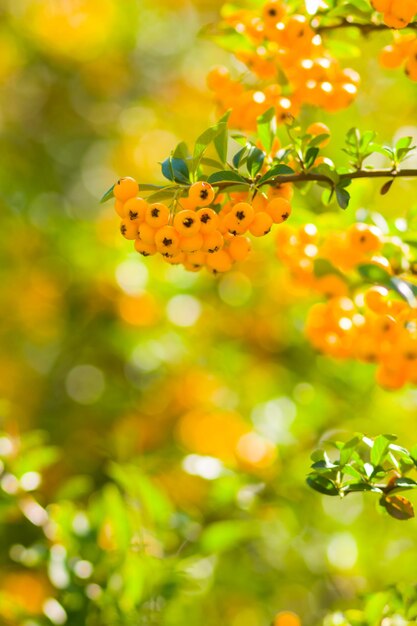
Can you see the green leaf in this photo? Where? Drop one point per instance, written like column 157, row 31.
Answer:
column 398, row 507
column 240, row 157
column 108, row 195
column 176, row 170
column 317, row 140
column 221, row 140
column 311, row 156
column 207, row 137
column 355, row 487
column 149, row 187
column 347, row 450
column 266, row 128
column 322, row 485
column 379, row 450
column 163, row 194
column 278, row 170
column 181, row 151
column 342, row 197
column 374, row 274
column 323, row 267
column 255, row 161
column 211, row 163
column 326, row 170
column 226, row 176
column 403, row 143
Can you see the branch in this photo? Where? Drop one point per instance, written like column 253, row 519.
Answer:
column 365, row 28
column 313, row 177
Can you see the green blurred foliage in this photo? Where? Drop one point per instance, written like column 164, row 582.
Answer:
column 157, row 425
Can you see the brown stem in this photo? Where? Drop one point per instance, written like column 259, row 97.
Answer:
column 313, row 177
column 364, row 28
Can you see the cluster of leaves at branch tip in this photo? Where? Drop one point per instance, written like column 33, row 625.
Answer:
column 239, row 164
column 364, row 464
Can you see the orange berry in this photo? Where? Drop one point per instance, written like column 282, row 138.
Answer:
column 174, row 259
column 187, row 223
column 364, row 237
column 376, row 299
column 261, row 225
column 391, row 56
column 201, row 193
column 391, row 377
column 125, row 188
column 217, row 78
column 212, row 242
column 259, row 202
column 381, row 5
column 191, row 244
column 209, row 220
column 145, row 249
column 230, row 225
column 284, row 190
column 157, row 215
column 119, row 207
column 147, row 233
column 195, row 259
column 318, row 128
column 135, row 208
column 167, row 240
column 240, row 218
column 411, row 68
column 239, row 248
column 186, row 203
column 273, row 11
column 219, row 261
column 279, row 209
column 129, row 229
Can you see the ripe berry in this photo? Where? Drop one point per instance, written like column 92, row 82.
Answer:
column 376, row 299
column 212, row 242
column 273, row 11
column 191, row 244
column 129, row 229
column 201, row 193
column 279, row 209
column 135, row 208
column 157, row 215
column 147, row 233
column 145, row 249
column 119, row 207
column 196, row 260
column 364, row 237
column 261, row 225
column 219, row 261
column 167, row 240
column 209, row 220
column 239, row 248
column 187, row 223
column 125, row 188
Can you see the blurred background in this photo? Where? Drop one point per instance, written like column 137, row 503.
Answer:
column 156, row 425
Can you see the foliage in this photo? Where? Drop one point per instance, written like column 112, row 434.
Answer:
column 156, row 424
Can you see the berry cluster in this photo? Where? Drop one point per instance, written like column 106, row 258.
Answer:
column 289, row 67
column 301, row 248
column 396, row 13
column 403, row 51
column 371, row 328
column 355, row 323
column 194, row 234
